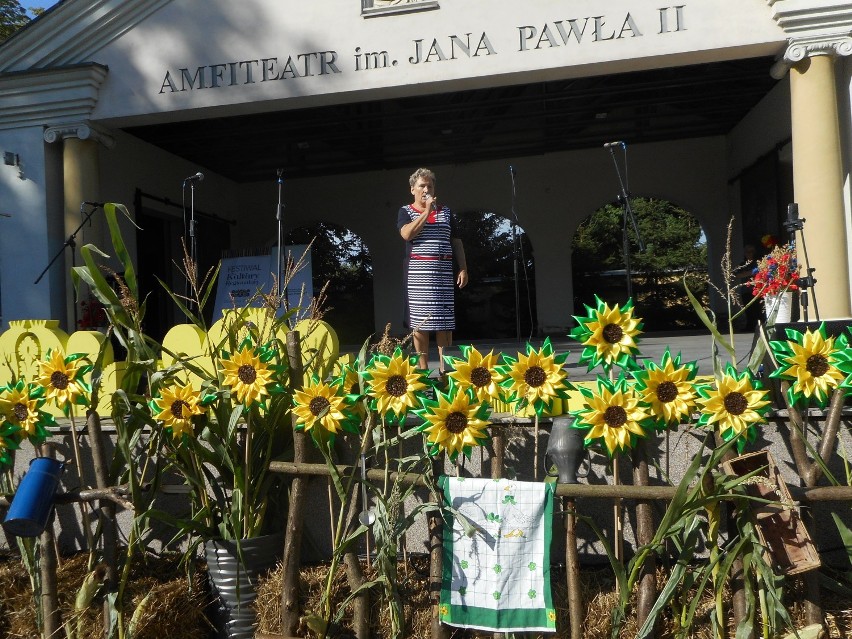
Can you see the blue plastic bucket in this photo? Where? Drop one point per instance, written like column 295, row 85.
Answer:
column 30, row 509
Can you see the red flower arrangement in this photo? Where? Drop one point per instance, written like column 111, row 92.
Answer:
column 776, row 272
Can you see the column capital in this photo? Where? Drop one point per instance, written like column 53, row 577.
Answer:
column 80, row 130
column 833, row 44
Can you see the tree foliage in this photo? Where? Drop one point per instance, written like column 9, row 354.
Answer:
column 673, row 245
column 12, row 17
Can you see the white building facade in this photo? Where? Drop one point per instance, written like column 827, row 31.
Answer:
column 79, row 83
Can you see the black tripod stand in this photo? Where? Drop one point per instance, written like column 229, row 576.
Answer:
column 627, row 216
column 807, row 282
column 281, row 291
column 71, row 243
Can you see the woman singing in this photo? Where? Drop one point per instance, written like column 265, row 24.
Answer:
column 430, row 250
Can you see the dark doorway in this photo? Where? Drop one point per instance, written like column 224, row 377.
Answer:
column 341, row 262
column 501, row 292
column 161, row 255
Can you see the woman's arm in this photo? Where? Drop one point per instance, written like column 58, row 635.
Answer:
column 412, row 229
column 461, row 260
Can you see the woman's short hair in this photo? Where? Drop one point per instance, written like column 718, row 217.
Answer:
column 421, row 173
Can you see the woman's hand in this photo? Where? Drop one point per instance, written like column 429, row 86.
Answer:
column 461, row 278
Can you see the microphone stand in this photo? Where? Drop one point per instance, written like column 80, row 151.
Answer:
column 793, row 224
column 71, row 243
column 279, row 217
column 193, row 242
column 515, row 259
column 626, row 214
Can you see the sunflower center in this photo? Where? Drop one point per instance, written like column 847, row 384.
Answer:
column 247, row 374
column 396, row 386
column 456, row 422
column 612, row 333
column 177, row 408
column 615, row 416
column 480, row 376
column 59, row 380
column 735, row 403
column 318, row 405
column 20, row 412
column 667, row 392
column 817, row 365
column 535, row 376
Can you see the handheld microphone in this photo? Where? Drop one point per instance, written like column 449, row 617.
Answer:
column 198, row 176
column 608, row 145
column 512, row 170
column 434, row 206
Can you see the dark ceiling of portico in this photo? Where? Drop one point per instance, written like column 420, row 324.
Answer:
column 466, row 126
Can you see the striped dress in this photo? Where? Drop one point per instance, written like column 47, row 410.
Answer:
column 429, row 275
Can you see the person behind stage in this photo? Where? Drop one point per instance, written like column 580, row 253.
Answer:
column 429, row 277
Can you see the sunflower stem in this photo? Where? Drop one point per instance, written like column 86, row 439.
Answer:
column 247, row 479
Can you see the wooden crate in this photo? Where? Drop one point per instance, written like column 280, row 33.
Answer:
column 778, row 523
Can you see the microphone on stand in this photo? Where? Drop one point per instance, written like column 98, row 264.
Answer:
column 608, row 145
column 512, row 170
column 95, row 204
column 197, row 177
column 793, row 222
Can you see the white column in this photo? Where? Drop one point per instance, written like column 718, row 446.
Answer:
column 81, row 144
column 818, row 168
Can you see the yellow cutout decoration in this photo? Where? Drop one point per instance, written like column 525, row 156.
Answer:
column 26, row 343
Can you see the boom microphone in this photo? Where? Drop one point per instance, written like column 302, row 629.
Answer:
column 620, row 143
column 192, row 178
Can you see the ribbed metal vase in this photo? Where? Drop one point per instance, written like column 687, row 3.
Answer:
column 234, row 582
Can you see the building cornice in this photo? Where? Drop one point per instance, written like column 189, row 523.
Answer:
column 808, row 16
column 72, row 32
column 50, row 97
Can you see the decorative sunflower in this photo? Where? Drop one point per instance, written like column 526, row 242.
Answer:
column 735, row 405
column 476, row 371
column 455, row 422
column 248, row 374
column 20, row 406
column 393, row 384
column 62, row 379
column 668, row 390
column 810, row 360
column 613, row 413
column 608, row 334
column 9, row 441
column 536, row 378
column 318, row 407
column 175, row 407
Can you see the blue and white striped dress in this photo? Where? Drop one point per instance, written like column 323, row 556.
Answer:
column 430, row 279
